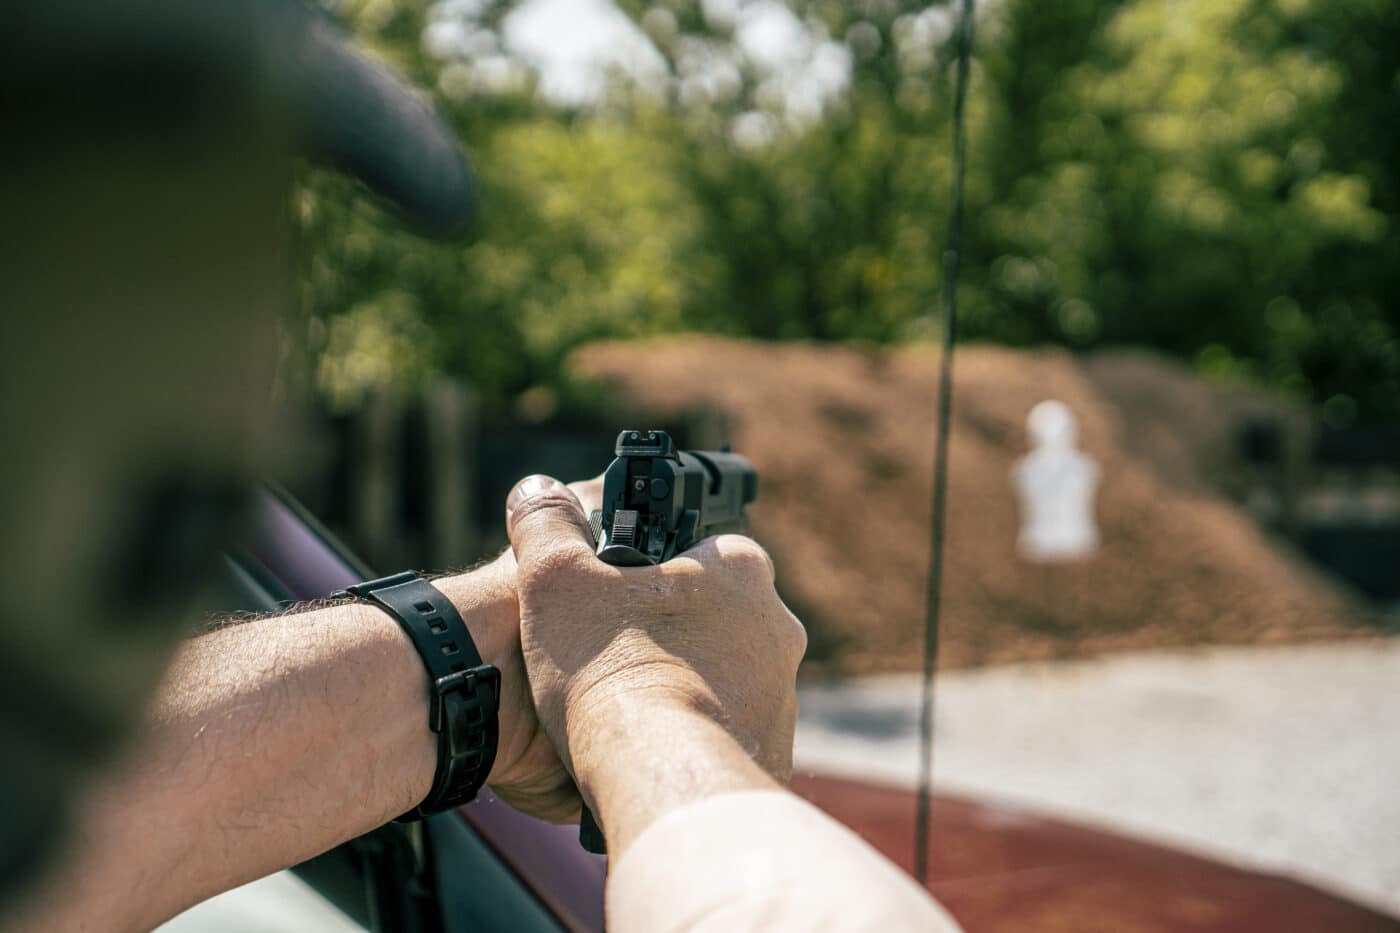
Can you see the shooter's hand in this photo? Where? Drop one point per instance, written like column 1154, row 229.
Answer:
column 658, row 685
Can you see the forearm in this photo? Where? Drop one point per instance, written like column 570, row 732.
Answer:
column 270, row 742
column 637, row 759
column 702, row 838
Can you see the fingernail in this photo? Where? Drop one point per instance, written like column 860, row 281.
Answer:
column 528, row 488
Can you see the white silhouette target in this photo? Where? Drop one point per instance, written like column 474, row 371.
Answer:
column 1055, row 486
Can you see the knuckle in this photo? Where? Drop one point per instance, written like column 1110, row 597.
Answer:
column 796, row 635
column 563, row 559
column 747, row 556
column 551, row 505
column 589, row 492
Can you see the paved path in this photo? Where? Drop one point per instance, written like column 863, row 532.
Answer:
column 1287, row 759
column 280, row 903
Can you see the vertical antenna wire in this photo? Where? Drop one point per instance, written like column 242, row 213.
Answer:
column 934, row 592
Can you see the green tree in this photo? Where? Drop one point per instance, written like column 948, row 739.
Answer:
column 582, row 234
column 1213, row 178
column 1185, row 196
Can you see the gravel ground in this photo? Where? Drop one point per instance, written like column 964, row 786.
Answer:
column 1284, row 758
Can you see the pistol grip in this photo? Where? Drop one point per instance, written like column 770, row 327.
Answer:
column 589, row 835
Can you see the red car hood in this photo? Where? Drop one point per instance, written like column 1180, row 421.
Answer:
column 997, row 868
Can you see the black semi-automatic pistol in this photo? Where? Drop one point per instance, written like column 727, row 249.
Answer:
column 658, row 501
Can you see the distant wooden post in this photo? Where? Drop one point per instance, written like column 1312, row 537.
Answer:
column 1294, row 471
column 450, row 427
column 375, row 468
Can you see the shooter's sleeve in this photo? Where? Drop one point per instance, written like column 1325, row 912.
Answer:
column 761, row 860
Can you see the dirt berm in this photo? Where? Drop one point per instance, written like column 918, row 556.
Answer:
column 843, row 441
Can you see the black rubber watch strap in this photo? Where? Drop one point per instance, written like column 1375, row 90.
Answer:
column 464, row 692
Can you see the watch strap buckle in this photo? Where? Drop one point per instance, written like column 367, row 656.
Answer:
column 480, row 686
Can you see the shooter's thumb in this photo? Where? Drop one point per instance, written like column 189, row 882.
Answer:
column 542, row 516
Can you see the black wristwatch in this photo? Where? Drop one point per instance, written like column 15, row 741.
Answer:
column 465, row 692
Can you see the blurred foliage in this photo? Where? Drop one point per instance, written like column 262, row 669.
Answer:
column 1219, row 179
